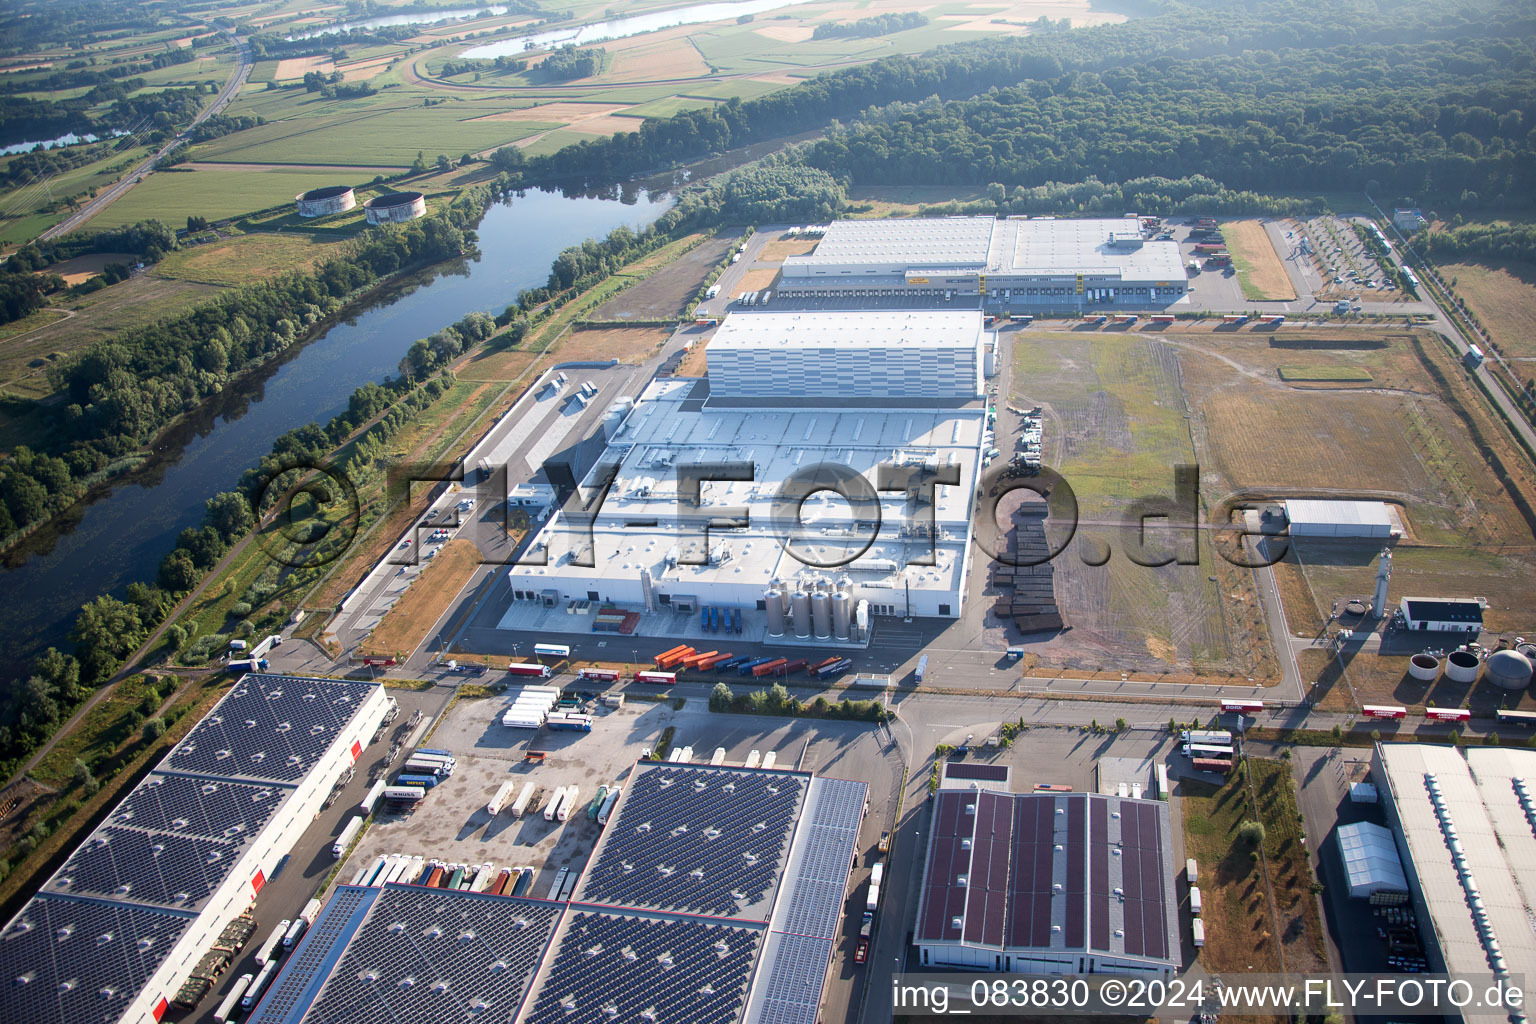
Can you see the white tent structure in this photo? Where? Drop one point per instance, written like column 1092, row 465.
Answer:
column 1370, row 860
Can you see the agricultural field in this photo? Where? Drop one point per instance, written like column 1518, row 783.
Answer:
column 1503, row 297
column 1259, row 271
column 241, row 259
column 214, row 194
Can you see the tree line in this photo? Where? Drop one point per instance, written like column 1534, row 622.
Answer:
column 568, row 62
column 1134, row 99
column 1482, row 241
column 866, row 28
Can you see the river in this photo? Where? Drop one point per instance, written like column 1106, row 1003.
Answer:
column 620, row 28
column 392, row 20
column 107, row 544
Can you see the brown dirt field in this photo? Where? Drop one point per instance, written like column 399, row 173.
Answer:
column 664, row 293
column 364, row 70
column 626, row 344
column 1384, row 679
column 785, row 33
column 297, row 67
column 405, row 626
column 1504, row 298
column 775, row 251
column 671, row 58
column 696, row 362
column 1248, row 240
column 556, row 113
column 498, row 366
column 1352, row 441
column 1301, row 612
column 83, row 267
column 606, row 125
column 756, row 279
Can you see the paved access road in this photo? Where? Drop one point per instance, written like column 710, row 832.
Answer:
column 231, row 88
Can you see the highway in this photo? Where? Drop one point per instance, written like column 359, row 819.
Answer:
column 120, row 188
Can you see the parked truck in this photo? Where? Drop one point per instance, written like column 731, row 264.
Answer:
column 609, row 804
column 499, row 800
column 1194, row 900
column 344, row 840
column 257, row 987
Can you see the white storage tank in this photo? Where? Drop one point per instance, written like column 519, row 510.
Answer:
column 800, row 612
column 1424, row 667
column 774, row 599
column 1461, row 666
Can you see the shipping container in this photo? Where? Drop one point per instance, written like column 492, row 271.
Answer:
column 754, row 759
column 375, row 792
column 523, row 882
column 769, row 667
column 295, row 932
column 1383, row 711
column 569, row 722
column 424, row 781
column 556, row 801
column 1198, row 927
column 345, row 839
column 1191, row 871
column 1194, row 900
column 770, row 759
column 254, row 992
column 269, row 949
column 227, row 1008
column 551, row 651
column 402, row 794
column 503, row 794
column 597, row 803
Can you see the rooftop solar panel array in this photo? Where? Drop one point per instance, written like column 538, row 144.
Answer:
column 430, row 955
column 1106, row 854
column 795, row 976
column 696, row 839
column 170, row 843
column 68, row 961
column 290, row 996
column 612, row 966
column 269, row 728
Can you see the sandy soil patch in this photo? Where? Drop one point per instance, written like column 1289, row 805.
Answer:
column 696, row 362
column 555, row 113
column 775, row 251
column 757, row 279
column 785, row 33
column 297, row 67
column 778, row 78
column 626, row 344
column 405, row 626
column 83, row 267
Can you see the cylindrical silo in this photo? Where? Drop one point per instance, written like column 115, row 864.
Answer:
column 1509, row 670
column 821, row 614
column 842, row 615
column 800, row 613
column 1424, row 666
column 775, row 602
column 1461, row 667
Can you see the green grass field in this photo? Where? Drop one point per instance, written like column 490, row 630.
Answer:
column 1332, row 374
column 212, row 194
column 243, row 259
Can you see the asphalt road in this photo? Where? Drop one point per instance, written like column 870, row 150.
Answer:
column 120, row 188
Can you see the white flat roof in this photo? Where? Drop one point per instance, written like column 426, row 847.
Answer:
column 904, row 328
column 931, row 241
column 1495, row 837
column 1099, row 246
column 1348, row 513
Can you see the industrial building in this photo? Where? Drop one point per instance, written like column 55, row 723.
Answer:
column 715, row 894
column 395, row 207
column 121, row 925
column 1015, row 264
column 1443, row 614
column 1371, row 865
column 1046, row 882
column 1465, row 825
column 814, row 567
column 1314, row 518
column 907, row 354
column 322, row 202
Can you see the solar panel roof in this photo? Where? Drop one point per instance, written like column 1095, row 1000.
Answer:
column 625, row 966
column 424, row 954
column 76, row 961
column 1013, row 868
column 170, row 843
column 972, row 770
column 696, row 839
column 268, row 728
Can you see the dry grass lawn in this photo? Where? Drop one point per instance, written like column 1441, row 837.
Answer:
column 786, row 33
column 1504, row 299
column 757, row 279
column 405, row 626
column 504, row 365
column 606, row 125
column 626, row 344
column 1249, row 243
column 651, row 59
